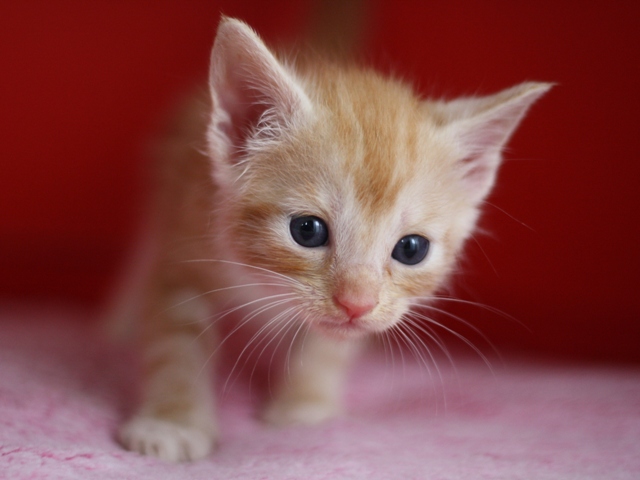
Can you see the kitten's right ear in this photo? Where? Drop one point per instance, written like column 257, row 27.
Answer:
column 255, row 99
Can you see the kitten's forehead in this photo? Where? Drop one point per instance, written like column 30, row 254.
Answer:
column 382, row 142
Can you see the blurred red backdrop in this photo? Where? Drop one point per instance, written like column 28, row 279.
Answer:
column 84, row 84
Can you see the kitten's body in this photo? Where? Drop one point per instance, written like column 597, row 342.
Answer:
column 359, row 152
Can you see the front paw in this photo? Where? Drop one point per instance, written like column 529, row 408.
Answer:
column 166, row 440
column 305, row 412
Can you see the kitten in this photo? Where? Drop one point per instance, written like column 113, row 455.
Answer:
column 329, row 201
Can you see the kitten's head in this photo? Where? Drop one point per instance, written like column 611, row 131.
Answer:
column 346, row 181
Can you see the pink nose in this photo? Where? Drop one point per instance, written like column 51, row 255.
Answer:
column 355, row 306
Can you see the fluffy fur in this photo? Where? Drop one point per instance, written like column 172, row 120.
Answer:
column 361, row 152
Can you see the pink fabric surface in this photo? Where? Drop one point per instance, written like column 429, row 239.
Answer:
column 62, row 395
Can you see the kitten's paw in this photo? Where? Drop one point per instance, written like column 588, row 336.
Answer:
column 308, row 412
column 165, row 440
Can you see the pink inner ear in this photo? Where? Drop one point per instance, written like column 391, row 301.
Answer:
column 478, row 174
column 243, row 109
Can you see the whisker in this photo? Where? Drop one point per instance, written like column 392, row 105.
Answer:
column 386, row 341
column 462, row 321
column 287, row 360
column 488, row 308
column 291, row 280
column 247, row 318
column 408, row 342
column 387, row 353
column 432, row 335
column 493, row 205
column 270, row 325
column 393, row 333
column 413, row 341
column 273, row 321
column 289, row 325
column 457, row 335
column 250, row 316
column 222, row 289
column 304, row 339
column 469, row 325
column 475, row 239
column 420, row 341
column 221, row 315
column 284, row 324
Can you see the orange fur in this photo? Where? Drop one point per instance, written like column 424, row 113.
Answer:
column 360, row 151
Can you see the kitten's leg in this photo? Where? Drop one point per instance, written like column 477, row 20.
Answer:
column 312, row 388
column 175, row 421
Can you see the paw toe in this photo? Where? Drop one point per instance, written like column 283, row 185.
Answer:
column 165, row 440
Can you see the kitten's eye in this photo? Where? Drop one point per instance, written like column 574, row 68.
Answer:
column 309, row 231
column 411, row 249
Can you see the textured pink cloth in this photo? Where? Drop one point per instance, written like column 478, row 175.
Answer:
column 62, row 395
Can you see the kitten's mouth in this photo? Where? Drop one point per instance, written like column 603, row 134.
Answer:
column 342, row 329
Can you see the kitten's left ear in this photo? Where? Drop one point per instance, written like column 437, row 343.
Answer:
column 254, row 96
column 480, row 128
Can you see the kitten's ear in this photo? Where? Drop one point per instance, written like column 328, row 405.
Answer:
column 253, row 94
column 481, row 126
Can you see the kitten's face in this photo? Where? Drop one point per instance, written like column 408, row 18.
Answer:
column 347, row 182
column 329, row 204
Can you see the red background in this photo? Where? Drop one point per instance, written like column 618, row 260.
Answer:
column 83, row 84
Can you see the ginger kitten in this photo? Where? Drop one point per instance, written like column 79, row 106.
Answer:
column 329, row 200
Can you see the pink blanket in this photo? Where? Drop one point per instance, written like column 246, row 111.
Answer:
column 62, row 395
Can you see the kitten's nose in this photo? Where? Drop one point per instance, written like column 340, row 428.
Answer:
column 355, row 306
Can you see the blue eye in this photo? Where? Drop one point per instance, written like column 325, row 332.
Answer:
column 411, row 249
column 309, row 231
